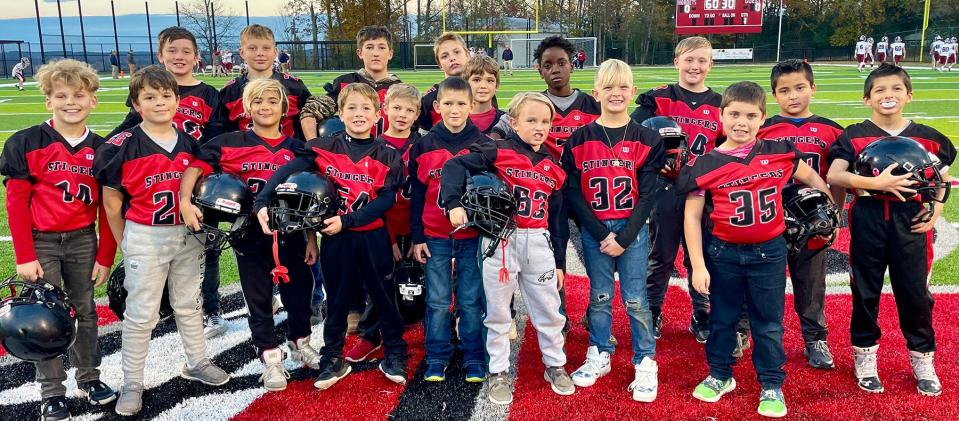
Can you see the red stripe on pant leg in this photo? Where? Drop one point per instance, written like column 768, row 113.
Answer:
column 366, row 395
column 930, row 251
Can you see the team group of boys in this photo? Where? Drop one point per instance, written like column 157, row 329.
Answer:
column 563, row 153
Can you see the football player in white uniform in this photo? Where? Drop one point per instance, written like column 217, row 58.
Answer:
column 18, row 71
column 934, row 51
column 861, row 47
column 882, row 47
column 869, row 55
column 898, row 50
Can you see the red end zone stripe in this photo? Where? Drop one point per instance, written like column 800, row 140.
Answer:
column 365, row 395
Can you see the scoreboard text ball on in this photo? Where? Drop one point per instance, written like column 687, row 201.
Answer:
column 719, row 16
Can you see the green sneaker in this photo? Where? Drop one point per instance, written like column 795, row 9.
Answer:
column 772, row 403
column 711, row 389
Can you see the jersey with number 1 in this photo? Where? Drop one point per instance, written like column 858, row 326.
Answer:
column 696, row 112
column 812, row 136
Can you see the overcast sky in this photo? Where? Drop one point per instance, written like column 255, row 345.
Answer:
column 15, row 9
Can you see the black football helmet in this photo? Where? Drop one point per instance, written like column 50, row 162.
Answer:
column 303, row 201
column 409, row 290
column 330, row 127
column 117, row 295
column 913, row 159
column 675, row 142
column 37, row 321
column 489, row 206
column 226, row 203
column 808, row 213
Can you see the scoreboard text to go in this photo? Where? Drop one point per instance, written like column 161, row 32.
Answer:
column 718, row 16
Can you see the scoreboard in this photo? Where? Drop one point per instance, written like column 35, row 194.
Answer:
column 719, row 16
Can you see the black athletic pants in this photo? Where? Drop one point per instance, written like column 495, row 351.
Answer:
column 880, row 238
column 808, row 273
column 369, row 326
column 254, row 261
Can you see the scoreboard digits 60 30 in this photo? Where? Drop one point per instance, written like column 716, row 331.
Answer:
column 719, row 16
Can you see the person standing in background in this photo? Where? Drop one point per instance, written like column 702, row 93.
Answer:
column 115, row 64
column 508, row 60
column 131, row 62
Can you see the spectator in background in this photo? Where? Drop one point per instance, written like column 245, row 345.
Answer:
column 581, row 58
column 131, row 62
column 284, row 61
column 508, row 60
column 115, row 63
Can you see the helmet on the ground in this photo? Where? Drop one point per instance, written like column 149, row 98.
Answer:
column 37, row 320
column 808, row 213
column 226, row 203
column 117, row 295
column 302, row 202
column 330, row 127
column 675, row 142
column 922, row 166
column 409, row 290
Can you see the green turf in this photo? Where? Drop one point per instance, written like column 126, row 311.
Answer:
column 839, row 98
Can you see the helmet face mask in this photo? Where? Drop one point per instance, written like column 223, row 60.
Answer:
column 37, row 320
column 675, row 143
column 490, row 207
column 302, row 202
column 808, row 213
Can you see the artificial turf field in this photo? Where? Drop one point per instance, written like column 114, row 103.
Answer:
column 936, row 97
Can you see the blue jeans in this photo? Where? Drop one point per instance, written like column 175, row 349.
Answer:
column 632, row 266
column 756, row 274
column 318, row 294
column 469, row 299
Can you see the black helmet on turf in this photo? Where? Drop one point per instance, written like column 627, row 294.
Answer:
column 675, row 142
column 409, row 291
column 37, row 321
column 303, row 201
column 117, row 295
column 922, row 166
column 330, row 127
column 226, row 202
column 489, row 206
column 809, row 213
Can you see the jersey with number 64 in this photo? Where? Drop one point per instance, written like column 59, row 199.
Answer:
column 147, row 175
column 743, row 195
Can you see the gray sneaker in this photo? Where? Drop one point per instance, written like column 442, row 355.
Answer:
column 559, row 381
column 318, row 313
column 205, row 372
column 499, row 391
column 131, row 399
column 818, row 355
column 213, row 325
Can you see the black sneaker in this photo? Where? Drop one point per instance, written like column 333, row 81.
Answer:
column 394, row 368
column 97, row 392
column 658, row 326
column 818, row 355
column 54, row 409
column 332, row 369
column 699, row 326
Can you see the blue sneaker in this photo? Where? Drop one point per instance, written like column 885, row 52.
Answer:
column 435, row 371
column 475, row 372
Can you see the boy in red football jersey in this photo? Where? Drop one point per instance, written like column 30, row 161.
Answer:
column 51, row 212
column 451, row 55
column 696, row 108
column 741, row 255
column 402, row 107
column 141, row 182
column 793, row 87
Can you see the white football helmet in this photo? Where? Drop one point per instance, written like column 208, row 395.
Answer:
column 885, row 39
column 898, row 39
column 862, row 37
column 938, row 37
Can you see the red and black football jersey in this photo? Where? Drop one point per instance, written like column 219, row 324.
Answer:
column 697, row 113
column 194, row 114
column 381, row 87
column 607, row 169
column 426, row 160
column 147, row 175
column 743, row 195
column 362, row 169
column 398, row 217
column 234, row 118
column 584, row 110
column 857, row 136
column 812, row 136
column 64, row 194
column 246, row 155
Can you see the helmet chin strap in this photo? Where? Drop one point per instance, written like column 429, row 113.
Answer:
column 280, row 272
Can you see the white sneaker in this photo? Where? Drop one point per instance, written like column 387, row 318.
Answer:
column 277, row 304
column 302, row 352
column 646, row 381
column 274, row 375
column 596, row 366
column 867, row 368
column 924, row 371
column 213, row 325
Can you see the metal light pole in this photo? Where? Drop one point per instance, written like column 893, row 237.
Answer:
column 36, row 5
column 779, row 38
column 83, row 36
column 116, row 39
column 146, row 7
column 63, row 38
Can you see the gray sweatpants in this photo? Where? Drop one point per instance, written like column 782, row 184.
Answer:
column 529, row 261
column 153, row 255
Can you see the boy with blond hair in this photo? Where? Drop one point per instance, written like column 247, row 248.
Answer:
column 51, row 217
column 355, row 251
column 374, row 46
column 482, row 73
column 258, row 50
column 696, row 108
